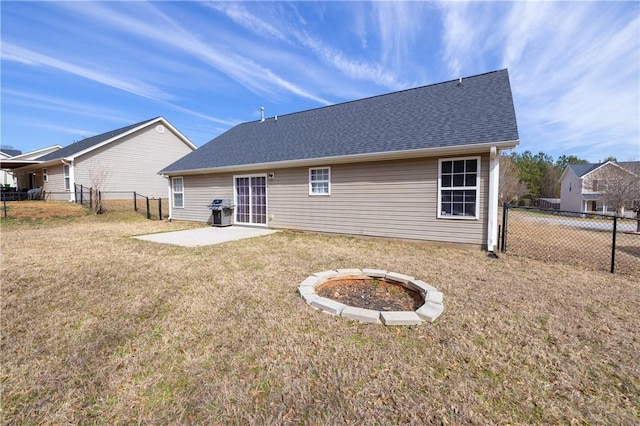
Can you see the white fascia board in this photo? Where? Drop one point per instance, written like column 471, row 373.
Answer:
column 605, row 164
column 357, row 158
column 567, row 168
column 37, row 153
column 142, row 126
column 42, row 164
column 177, row 133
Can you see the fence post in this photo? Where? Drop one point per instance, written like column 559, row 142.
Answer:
column 503, row 240
column 75, row 193
column 99, row 202
column 148, row 211
column 613, row 244
column 91, row 198
column 5, row 208
column 135, row 204
column 160, row 208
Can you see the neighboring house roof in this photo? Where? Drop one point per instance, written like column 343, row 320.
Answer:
column 27, row 159
column 591, row 197
column 10, row 152
column 88, row 144
column 582, row 169
column 455, row 114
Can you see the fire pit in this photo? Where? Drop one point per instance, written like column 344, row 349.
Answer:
column 373, row 296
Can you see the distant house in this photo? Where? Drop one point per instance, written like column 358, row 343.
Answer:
column 582, row 185
column 6, row 178
column 16, row 159
column 415, row 164
column 125, row 159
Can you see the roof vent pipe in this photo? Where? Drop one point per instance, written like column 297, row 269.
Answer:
column 261, row 113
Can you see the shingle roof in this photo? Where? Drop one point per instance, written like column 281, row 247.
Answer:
column 11, row 152
column 477, row 110
column 582, row 169
column 84, row 144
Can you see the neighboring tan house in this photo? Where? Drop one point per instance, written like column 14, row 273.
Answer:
column 16, row 159
column 415, row 164
column 582, row 185
column 116, row 162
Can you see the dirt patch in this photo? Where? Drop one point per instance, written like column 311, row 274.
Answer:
column 370, row 293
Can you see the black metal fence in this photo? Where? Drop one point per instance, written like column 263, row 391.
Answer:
column 152, row 207
column 99, row 201
column 593, row 241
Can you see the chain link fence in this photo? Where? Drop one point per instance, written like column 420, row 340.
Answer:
column 587, row 240
column 155, row 208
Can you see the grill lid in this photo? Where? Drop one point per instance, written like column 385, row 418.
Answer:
column 220, row 203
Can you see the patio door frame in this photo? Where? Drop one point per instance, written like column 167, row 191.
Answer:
column 252, row 197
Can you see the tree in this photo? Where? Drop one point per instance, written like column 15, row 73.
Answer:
column 563, row 161
column 619, row 185
column 511, row 186
column 99, row 178
column 532, row 170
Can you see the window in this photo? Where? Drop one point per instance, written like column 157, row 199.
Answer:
column 45, row 175
column 320, row 181
column 458, row 188
column 178, row 192
column 67, row 180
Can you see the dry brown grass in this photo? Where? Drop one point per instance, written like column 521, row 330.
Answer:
column 42, row 210
column 101, row 328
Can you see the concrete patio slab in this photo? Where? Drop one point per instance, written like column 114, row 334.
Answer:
column 206, row 236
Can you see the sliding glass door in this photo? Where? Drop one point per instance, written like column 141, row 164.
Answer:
column 251, row 200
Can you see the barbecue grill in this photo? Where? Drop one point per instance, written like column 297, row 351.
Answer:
column 221, row 212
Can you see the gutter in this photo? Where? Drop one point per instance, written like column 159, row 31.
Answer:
column 355, row 158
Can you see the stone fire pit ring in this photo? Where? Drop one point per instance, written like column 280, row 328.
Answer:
column 429, row 311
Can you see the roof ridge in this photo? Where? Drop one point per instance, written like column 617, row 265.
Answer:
column 409, row 89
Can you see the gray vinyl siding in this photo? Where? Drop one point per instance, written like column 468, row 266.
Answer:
column 571, row 192
column 396, row 199
column 132, row 163
column 198, row 193
column 55, row 185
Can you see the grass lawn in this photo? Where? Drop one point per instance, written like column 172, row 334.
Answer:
column 98, row 327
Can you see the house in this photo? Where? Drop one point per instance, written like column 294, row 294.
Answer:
column 415, row 164
column 6, row 178
column 17, row 158
column 125, row 159
column 583, row 186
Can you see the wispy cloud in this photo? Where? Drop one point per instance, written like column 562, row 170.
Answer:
column 12, row 52
column 37, row 101
column 570, row 72
column 268, row 25
column 256, row 77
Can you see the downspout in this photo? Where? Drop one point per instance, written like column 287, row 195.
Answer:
column 169, row 199
column 492, row 214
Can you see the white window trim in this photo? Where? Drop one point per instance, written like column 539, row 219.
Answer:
column 235, row 200
column 66, row 176
column 459, row 188
column 45, row 175
column 328, row 181
column 173, row 192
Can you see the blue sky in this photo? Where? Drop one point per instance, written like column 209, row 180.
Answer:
column 76, row 69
